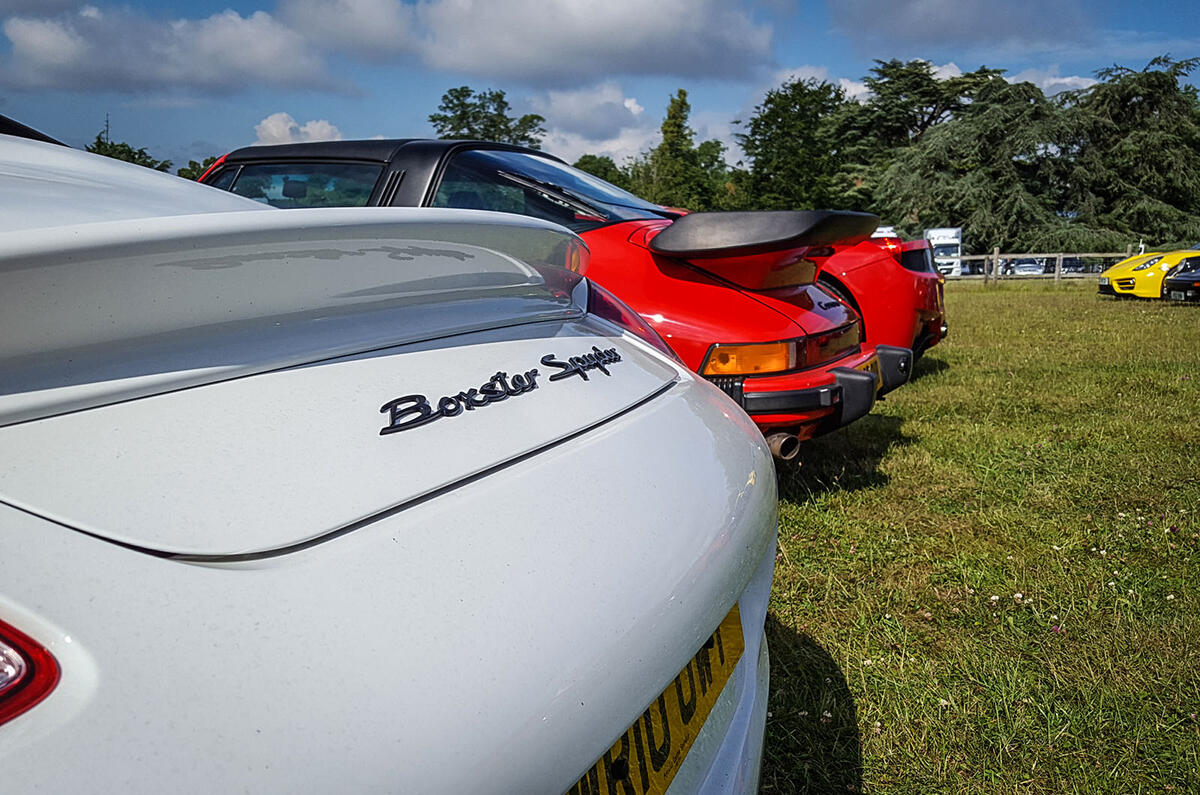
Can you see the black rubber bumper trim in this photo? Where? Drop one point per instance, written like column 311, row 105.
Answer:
column 858, row 393
column 821, row 397
column 1105, row 289
column 896, row 365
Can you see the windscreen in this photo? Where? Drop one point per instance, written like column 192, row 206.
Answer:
column 517, row 182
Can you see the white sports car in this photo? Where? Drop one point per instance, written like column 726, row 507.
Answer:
column 356, row 500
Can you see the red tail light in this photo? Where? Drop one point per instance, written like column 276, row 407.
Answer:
column 602, row 303
column 28, row 672
column 892, row 244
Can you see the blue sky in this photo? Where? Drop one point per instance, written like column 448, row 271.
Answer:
column 190, row 78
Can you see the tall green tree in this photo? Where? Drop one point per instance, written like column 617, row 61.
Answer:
column 1131, row 164
column 464, row 113
column 677, row 172
column 905, row 102
column 123, row 151
column 602, row 166
column 984, row 170
column 194, row 170
column 788, row 142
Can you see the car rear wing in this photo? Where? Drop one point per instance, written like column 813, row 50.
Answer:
column 761, row 250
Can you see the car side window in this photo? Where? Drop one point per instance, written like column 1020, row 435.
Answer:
column 306, row 184
column 469, row 189
column 224, row 179
column 468, row 185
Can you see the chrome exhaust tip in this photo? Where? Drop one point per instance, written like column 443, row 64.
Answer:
column 784, row 446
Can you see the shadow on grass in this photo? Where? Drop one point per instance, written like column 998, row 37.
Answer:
column 812, row 743
column 926, row 367
column 847, row 459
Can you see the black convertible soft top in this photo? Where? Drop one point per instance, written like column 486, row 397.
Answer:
column 13, row 127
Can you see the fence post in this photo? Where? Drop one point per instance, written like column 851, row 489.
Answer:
column 1128, row 251
column 1058, row 268
column 996, row 265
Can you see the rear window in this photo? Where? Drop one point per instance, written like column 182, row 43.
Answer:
column 304, row 184
column 918, row 259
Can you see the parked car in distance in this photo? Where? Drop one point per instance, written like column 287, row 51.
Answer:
column 1023, row 266
column 358, row 500
column 1141, row 276
column 731, row 293
column 1182, row 282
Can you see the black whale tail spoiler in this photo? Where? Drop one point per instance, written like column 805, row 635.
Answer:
column 761, row 250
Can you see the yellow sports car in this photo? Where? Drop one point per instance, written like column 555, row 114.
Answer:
column 1142, row 274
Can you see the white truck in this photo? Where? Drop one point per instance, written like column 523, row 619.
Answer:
column 947, row 249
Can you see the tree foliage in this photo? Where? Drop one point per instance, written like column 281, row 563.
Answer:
column 1131, row 155
column 484, row 116
column 984, row 172
column 123, row 151
column 788, row 141
column 677, row 172
column 194, row 170
column 602, row 166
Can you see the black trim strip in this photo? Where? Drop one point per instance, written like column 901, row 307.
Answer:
column 821, row 397
column 387, row 513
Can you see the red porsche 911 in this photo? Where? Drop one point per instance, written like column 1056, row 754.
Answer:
column 893, row 284
column 735, row 296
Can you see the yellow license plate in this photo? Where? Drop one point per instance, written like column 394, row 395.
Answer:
column 650, row 752
column 872, row 366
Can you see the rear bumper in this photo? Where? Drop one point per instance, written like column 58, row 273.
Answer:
column 841, row 394
column 895, row 365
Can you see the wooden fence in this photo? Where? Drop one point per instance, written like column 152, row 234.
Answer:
column 994, row 271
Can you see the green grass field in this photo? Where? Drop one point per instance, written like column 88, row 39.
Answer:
column 990, row 584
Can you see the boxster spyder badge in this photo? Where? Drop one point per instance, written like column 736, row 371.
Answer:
column 412, row 411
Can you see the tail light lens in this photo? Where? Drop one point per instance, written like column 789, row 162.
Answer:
column 602, row 303
column 577, row 257
column 753, row 359
column 892, row 244
column 764, row 358
column 28, row 672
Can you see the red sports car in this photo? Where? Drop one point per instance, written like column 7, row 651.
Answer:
column 893, row 284
column 732, row 294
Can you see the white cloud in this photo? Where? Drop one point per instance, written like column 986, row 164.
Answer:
column 597, row 112
column 560, row 42
column 556, row 44
column 626, row 144
column 125, row 51
column 374, row 29
column 946, row 71
column 1050, row 81
column 281, row 128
